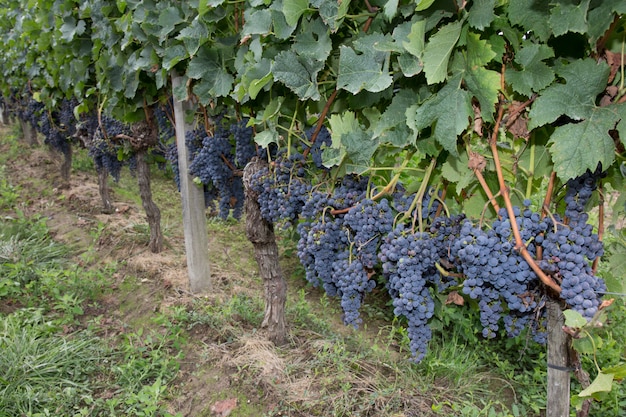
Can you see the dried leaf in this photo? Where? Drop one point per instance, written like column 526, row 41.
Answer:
column 455, row 298
column 224, row 408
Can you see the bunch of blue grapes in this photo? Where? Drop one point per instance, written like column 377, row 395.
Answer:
column 323, row 139
column 213, row 164
column 408, row 263
column 569, row 249
column 103, row 147
column 245, row 148
column 496, row 275
column 282, row 189
column 322, row 234
column 193, row 140
column 166, row 129
column 171, row 155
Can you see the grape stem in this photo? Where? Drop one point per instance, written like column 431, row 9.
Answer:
column 594, row 265
column 519, row 244
column 320, row 122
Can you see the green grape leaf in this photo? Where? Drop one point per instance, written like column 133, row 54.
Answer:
column 534, row 74
column 423, row 5
column 298, row 73
column 332, row 12
column 617, row 264
column 531, row 15
column 362, row 71
column 574, row 319
column 585, row 79
column 449, row 110
column 438, row 50
column 293, row 9
column 313, row 41
column 258, row 22
column 456, row 171
column 576, row 147
column 602, row 383
column 484, row 84
column 481, row 14
column 391, row 126
column 618, row 371
column 415, row 43
column 168, row 19
column 600, row 18
column 71, row 28
column 173, row 55
column 193, row 36
column 266, row 137
column 390, row 9
column 214, row 80
column 569, row 16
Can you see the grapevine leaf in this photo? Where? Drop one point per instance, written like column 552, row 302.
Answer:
column 602, row 383
column 293, row 9
column 258, row 22
column 391, row 126
column 168, row 19
column 455, row 170
column 601, row 17
column 423, row 5
column 484, row 84
column 449, row 110
column 362, row 72
column 617, row 264
column 535, row 74
column 618, row 371
column 204, row 63
column 479, row 51
column 314, row 41
column 71, row 28
column 409, row 65
column 577, row 147
column 266, row 137
column 332, row 12
column 481, row 14
column 585, row 79
column 532, row 16
column 390, row 9
column 280, row 28
column 437, row 52
column 415, row 43
column 350, row 140
column 299, row 74
column 173, row 55
column 193, row 36
column 206, row 5
column 569, row 16
column 574, row 319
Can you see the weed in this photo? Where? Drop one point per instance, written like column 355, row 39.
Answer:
column 42, row 371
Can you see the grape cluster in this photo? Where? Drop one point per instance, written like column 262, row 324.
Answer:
column 569, row 249
column 282, row 189
column 245, row 148
column 213, row 164
column 316, row 149
column 408, row 263
column 171, row 155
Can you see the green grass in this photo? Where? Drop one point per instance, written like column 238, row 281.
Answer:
column 42, row 371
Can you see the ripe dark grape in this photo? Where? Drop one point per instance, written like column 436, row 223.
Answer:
column 316, row 150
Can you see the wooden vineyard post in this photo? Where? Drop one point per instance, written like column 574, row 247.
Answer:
column 194, row 218
column 261, row 234
column 558, row 400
